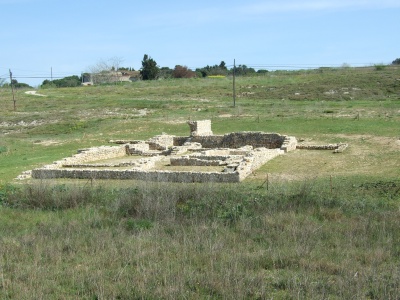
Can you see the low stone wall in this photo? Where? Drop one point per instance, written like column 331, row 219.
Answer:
column 241, row 139
column 239, row 163
column 255, row 160
column 193, row 161
column 137, row 148
column 141, row 164
column 337, row 148
column 180, row 140
column 240, row 153
column 161, row 142
column 165, row 176
column 91, row 154
column 217, row 157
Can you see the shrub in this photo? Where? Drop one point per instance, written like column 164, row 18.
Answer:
column 183, row 72
column 380, row 67
column 70, row 81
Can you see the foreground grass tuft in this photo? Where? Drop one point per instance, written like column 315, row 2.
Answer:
column 202, row 241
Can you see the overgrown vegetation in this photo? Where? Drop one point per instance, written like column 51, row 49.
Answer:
column 70, row 81
column 308, row 225
column 154, row 240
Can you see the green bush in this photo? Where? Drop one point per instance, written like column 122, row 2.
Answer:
column 70, row 81
column 380, row 67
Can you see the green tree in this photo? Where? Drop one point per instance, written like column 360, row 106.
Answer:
column 396, row 61
column 222, row 65
column 213, row 70
column 70, row 81
column 165, row 73
column 262, row 71
column 243, row 70
column 149, row 70
column 19, row 85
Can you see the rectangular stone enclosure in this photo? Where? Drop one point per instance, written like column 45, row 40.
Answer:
column 235, row 155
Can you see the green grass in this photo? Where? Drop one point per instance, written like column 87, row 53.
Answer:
column 202, row 241
column 306, row 225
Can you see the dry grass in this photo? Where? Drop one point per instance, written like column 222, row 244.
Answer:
column 194, row 241
column 301, row 234
column 365, row 155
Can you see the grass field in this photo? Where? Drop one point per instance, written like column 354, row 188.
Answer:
column 306, row 225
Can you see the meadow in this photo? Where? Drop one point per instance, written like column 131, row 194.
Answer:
column 306, row 225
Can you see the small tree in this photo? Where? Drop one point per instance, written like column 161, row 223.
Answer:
column 19, row 85
column 183, row 72
column 213, row 70
column 243, row 70
column 149, row 70
column 396, row 61
column 165, row 73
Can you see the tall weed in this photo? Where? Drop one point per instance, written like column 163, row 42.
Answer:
column 202, row 241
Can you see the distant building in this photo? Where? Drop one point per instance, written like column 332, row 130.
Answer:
column 111, row 77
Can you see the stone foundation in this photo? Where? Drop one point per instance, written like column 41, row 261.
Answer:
column 162, row 176
column 337, row 148
column 241, row 139
column 238, row 154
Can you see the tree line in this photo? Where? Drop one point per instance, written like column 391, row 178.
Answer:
column 150, row 70
column 109, row 71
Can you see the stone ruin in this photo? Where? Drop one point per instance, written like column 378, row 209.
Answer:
column 200, row 157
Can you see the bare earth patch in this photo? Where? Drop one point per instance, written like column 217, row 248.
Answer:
column 34, row 93
column 48, row 142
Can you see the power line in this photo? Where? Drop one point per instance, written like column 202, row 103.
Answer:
column 37, row 77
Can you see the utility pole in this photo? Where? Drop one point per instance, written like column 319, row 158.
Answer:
column 234, row 88
column 12, row 89
column 51, row 73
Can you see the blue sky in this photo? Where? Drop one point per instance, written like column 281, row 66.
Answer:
column 69, row 37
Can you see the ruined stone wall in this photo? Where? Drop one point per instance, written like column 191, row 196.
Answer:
column 261, row 156
column 193, row 161
column 241, row 139
column 340, row 147
column 165, row 176
column 256, row 159
column 289, row 144
column 239, row 153
column 137, row 148
column 180, row 140
column 161, row 142
column 91, row 154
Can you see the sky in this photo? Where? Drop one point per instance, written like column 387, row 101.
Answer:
column 58, row 38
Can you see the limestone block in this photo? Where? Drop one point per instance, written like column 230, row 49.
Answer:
column 200, row 128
